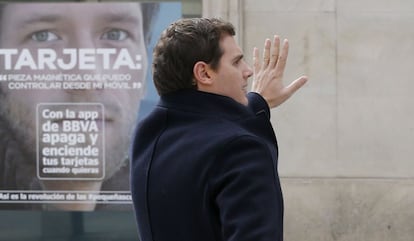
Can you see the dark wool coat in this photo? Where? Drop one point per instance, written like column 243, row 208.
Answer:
column 204, row 168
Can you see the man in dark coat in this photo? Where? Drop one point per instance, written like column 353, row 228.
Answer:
column 204, row 162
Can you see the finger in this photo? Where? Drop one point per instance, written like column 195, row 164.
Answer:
column 281, row 62
column 296, row 85
column 266, row 53
column 256, row 67
column 275, row 51
column 256, row 63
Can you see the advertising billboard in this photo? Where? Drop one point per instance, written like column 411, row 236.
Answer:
column 74, row 80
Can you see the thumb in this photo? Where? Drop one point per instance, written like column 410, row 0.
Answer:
column 296, row 85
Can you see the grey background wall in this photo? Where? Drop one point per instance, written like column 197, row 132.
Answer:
column 347, row 138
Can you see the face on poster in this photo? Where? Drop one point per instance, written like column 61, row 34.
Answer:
column 72, row 77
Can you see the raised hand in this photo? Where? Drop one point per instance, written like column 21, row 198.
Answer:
column 268, row 73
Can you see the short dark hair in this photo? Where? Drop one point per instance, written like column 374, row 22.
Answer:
column 181, row 46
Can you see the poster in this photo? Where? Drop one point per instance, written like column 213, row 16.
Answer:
column 74, row 80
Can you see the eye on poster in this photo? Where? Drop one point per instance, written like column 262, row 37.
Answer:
column 74, row 80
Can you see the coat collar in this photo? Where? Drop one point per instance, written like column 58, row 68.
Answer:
column 220, row 106
column 205, row 103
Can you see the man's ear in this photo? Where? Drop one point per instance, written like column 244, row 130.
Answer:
column 201, row 71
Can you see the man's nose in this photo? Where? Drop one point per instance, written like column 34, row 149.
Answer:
column 248, row 72
column 81, row 38
column 89, row 64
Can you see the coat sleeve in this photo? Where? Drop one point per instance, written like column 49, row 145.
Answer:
column 258, row 104
column 260, row 125
column 247, row 192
